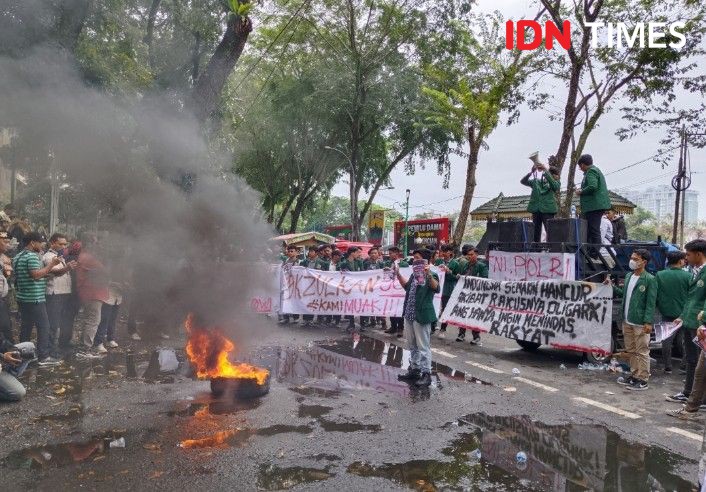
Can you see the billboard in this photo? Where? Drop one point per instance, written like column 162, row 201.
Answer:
column 423, row 232
column 339, row 231
column 376, row 224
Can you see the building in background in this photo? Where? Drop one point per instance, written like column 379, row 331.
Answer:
column 660, row 201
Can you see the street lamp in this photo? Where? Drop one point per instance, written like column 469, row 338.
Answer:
column 406, row 225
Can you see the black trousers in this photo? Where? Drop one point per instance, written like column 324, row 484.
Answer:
column 593, row 233
column 5, row 323
column 691, row 355
column 444, row 302
column 397, row 323
column 540, row 219
column 35, row 314
column 60, row 318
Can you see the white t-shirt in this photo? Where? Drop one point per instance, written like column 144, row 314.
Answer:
column 60, row 284
column 628, row 294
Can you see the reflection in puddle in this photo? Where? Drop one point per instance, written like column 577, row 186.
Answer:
column 215, row 407
column 59, row 455
column 313, row 411
column 558, row 458
column 353, row 363
column 331, row 426
column 271, row 477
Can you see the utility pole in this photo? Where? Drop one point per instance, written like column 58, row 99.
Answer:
column 406, row 226
column 54, row 200
column 678, row 183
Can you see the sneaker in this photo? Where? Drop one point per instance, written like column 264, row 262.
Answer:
column 400, row 334
column 49, row 361
column 112, row 344
column 88, row 355
column 625, row 381
column 475, row 341
column 424, row 380
column 100, row 349
column 683, row 414
column 461, row 337
column 667, row 370
column 411, row 375
column 678, row 398
column 136, row 337
column 283, row 321
column 164, row 336
column 441, row 334
column 637, row 385
column 682, row 370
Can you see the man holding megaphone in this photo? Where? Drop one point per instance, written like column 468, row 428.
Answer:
column 544, row 183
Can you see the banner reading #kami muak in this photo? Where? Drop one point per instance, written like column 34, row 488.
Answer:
column 367, row 293
column 559, row 313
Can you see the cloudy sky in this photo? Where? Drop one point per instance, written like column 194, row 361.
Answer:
column 505, row 162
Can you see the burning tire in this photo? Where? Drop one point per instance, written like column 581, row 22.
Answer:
column 239, row 388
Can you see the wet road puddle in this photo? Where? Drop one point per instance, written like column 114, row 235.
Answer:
column 326, row 369
column 66, row 454
column 271, row 477
column 515, row 453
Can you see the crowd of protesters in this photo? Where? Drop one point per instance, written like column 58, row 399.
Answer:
column 419, row 318
column 65, row 294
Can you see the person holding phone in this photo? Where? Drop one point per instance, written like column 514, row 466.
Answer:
column 419, row 314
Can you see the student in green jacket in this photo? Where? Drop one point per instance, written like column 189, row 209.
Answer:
column 695, row 301
column 542, row 204
column 473, row 267
column 351, row 263
column 639, row 295
column 374, row 261
column 395, row 261
column 594, row 199
column 310, row 260
column 451, row 269
column 673, row 287
column 419, row 314
column 292, row 259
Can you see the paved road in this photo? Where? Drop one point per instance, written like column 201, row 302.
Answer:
column 336, row 417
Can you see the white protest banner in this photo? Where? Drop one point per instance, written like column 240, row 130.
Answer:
column 664, row 330
column 559, row 313
column 368, row 293
column 531, row 266
column 266, row 300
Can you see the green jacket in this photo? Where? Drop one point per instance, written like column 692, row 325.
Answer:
column 695, row 300
column 308, row 263
column 424, row 311
column 322, row 264
column 390, row 263
column 292, row 263
column 543, row 198
column 594, row 191
column 369, row 265
column 641, row 310
column 450, row 278
column 478, row 269
column 673, row 288
column 346, row 265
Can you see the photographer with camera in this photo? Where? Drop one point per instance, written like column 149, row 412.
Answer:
column 14, row 359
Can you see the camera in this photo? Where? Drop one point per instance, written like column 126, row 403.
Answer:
column 25, row 353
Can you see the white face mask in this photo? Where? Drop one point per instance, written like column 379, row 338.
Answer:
column 633, row 265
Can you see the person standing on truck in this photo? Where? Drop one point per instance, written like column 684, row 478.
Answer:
column 639, row 295
column 473, row 268
column 542, row 204
column 673, row 288
column 695, row 299
column 594, row 199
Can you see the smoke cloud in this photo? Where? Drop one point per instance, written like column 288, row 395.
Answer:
column 199, row 251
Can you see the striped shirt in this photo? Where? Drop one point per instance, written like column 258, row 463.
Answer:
column 28, row 289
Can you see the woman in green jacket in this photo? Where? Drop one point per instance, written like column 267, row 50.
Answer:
column 542, row 204
column 419, row 314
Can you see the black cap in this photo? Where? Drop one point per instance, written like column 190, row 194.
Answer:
column 586, row 160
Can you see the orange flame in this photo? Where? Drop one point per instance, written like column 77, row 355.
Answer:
column 208, row 350
column 207, row 442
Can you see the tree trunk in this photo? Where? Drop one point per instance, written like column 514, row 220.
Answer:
column 196, row 57
column 72, row 16
column 286, row 208
column 149, row 36
column 474, row 143
column 206, row 94
column 353, row 195
column 580, row 146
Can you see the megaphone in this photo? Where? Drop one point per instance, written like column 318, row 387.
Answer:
column 534, row 157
